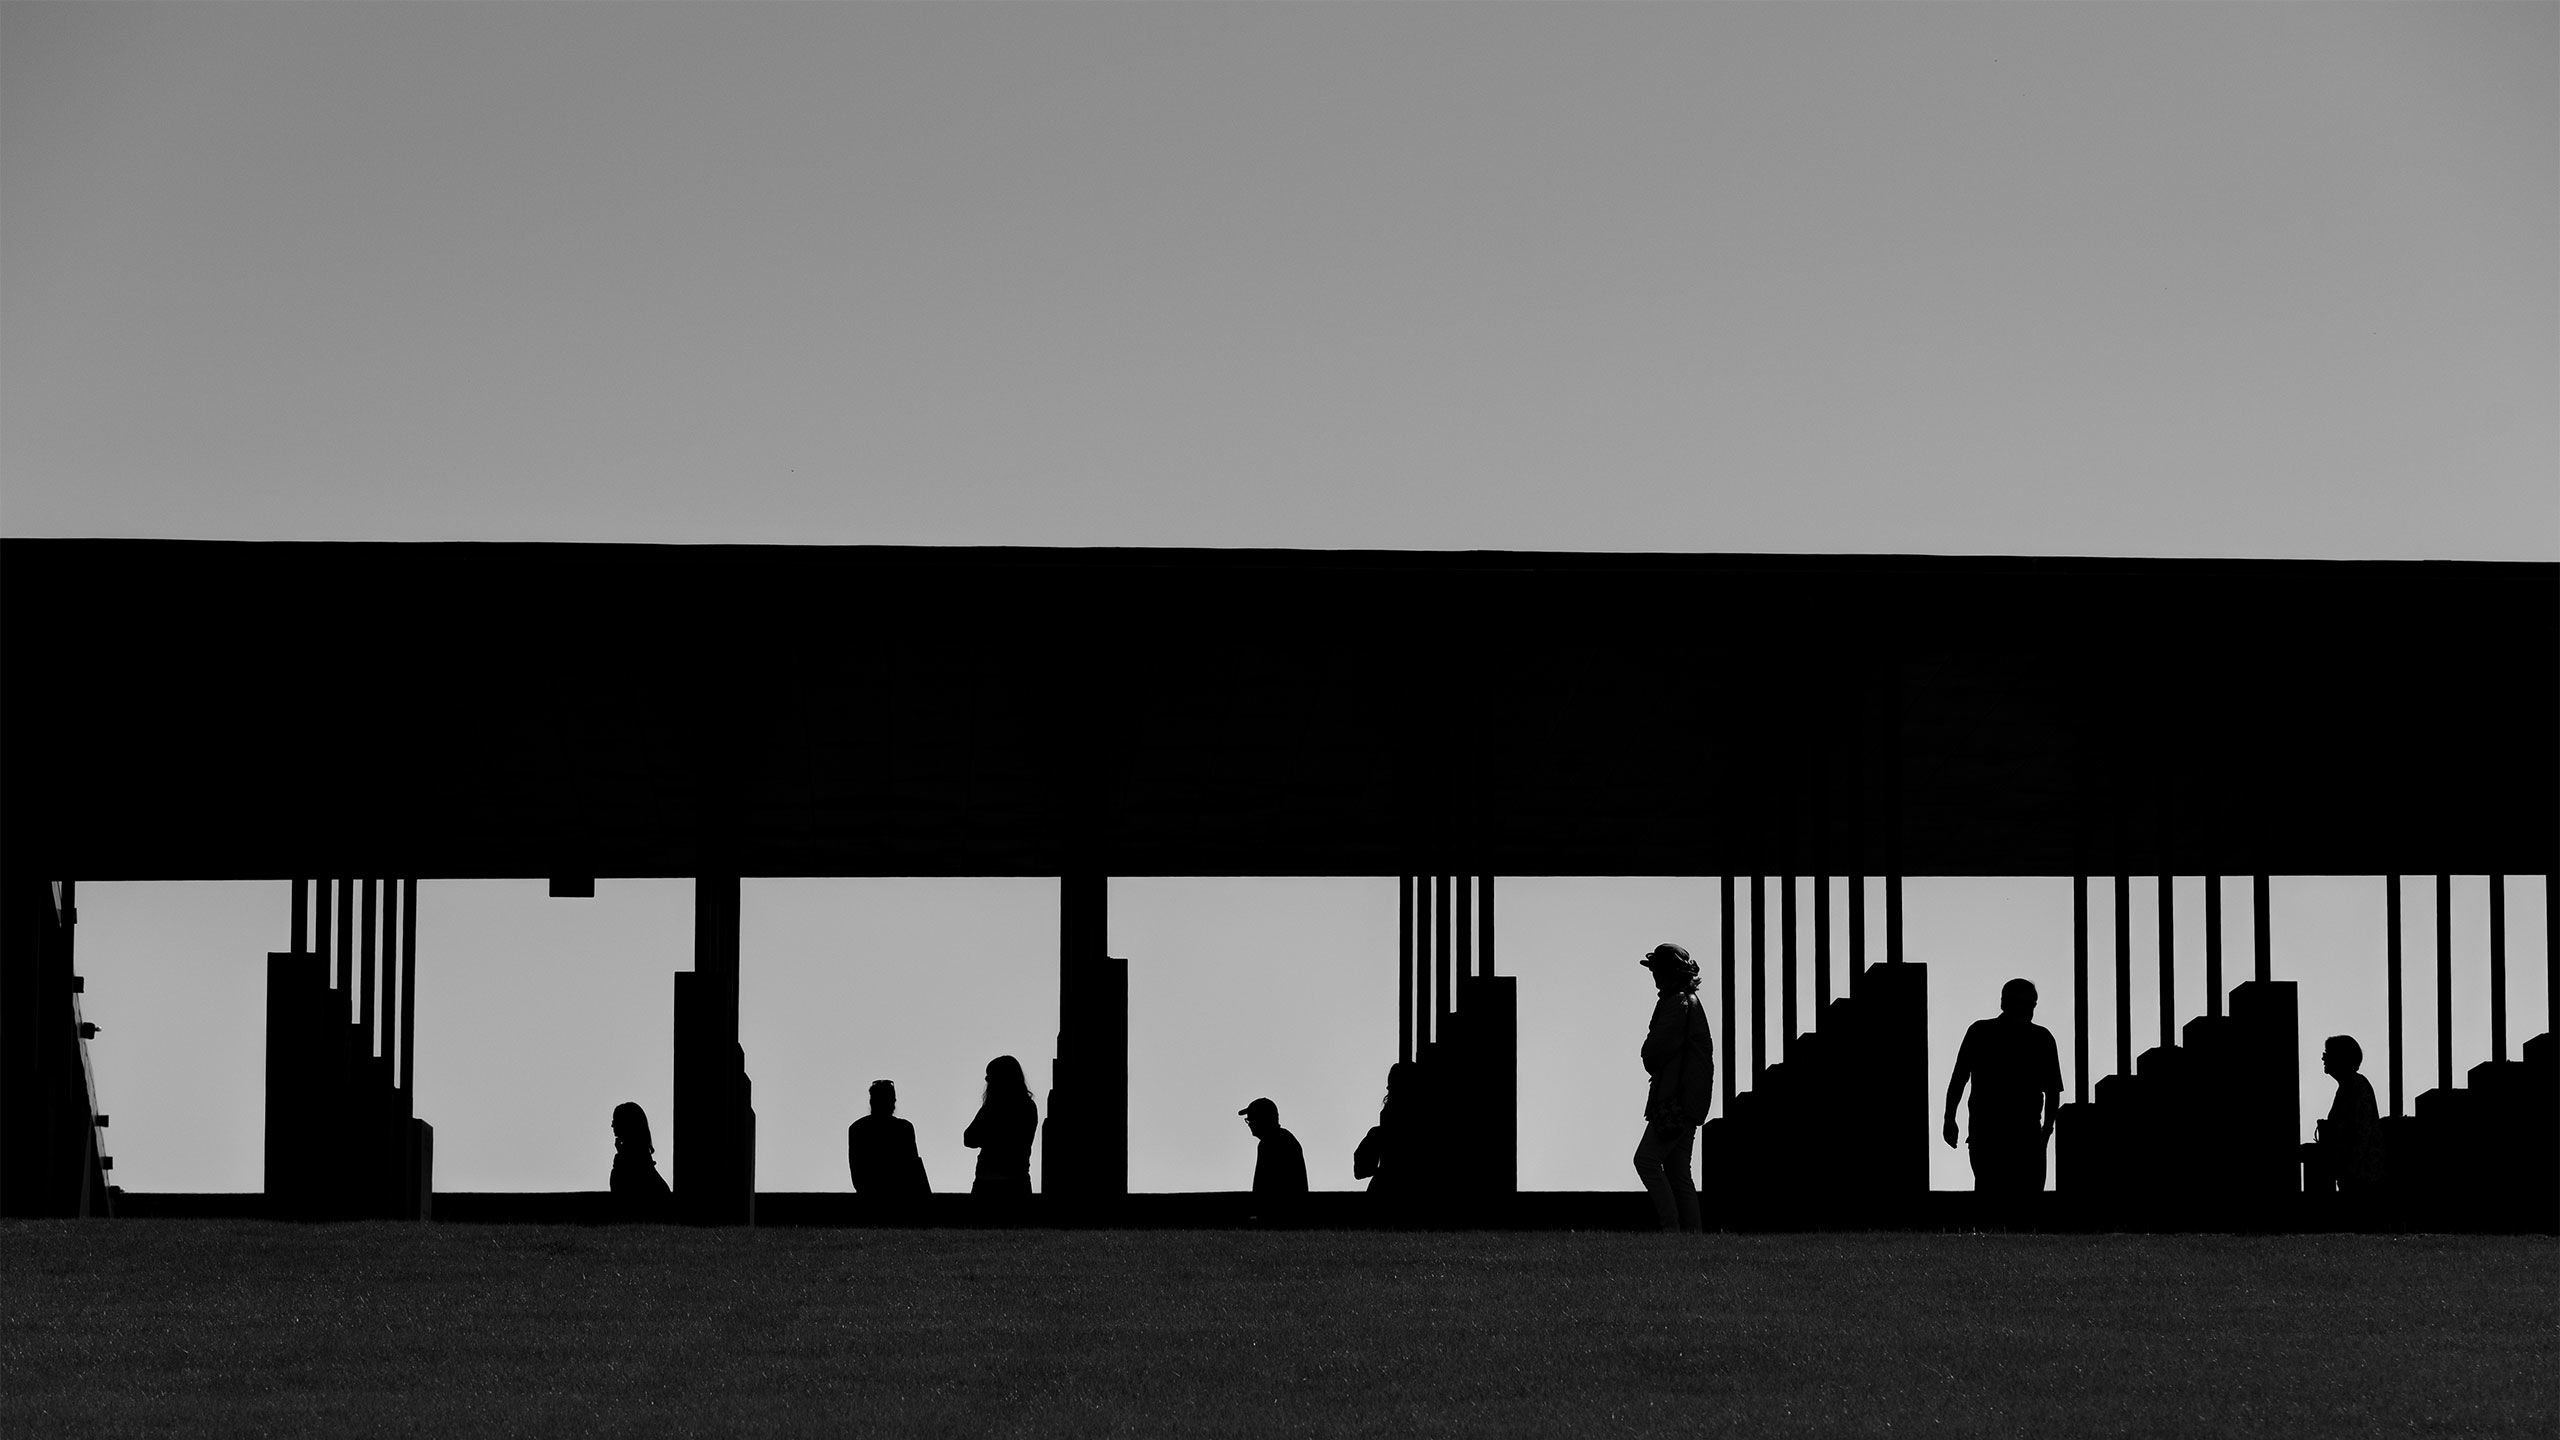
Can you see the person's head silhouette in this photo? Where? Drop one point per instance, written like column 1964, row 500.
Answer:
column 2018, row 1000
column 1004, row 1079
column 884, row 1098
column 631, row 1129
column 1674, row 973
column 2342, row 1056
column 1261, row 1117
column 1402, row 1078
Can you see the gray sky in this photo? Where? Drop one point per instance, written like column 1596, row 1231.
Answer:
column 2264, row 280
column 2150, row 279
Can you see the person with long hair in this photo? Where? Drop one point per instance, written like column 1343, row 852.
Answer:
column 1390, row 1156
column 1002, row 1133
column 639, row 1192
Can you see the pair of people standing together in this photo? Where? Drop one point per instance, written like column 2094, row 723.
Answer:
column 880, row 1148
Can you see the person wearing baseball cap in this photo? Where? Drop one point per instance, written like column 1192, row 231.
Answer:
column 1279, row 1166
column 1680, row 1055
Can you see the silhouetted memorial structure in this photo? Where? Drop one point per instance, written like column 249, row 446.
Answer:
column 222, row 711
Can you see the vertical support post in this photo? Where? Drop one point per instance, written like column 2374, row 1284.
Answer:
column 1759, row 979
column 301, row 920
column 1857, row 929
column 2080, row 989
column 2213, row 945
column 321, row 915
column 1724, row 917
column 1786, row 966
column 1821, row 946
column 2168, row 961
column 1085, row 1154
column 409, row 992
column 714, row 1156
column 2444, row 982
column 1466, row 908
column 2551, row 954
column 391, row 1006
column 1484, row 937
column 346, row 944
column 1404, row 968
column 2260, row 906
column 1444, row 996
column 1893, row 919
column 2391, row 979
column 2498, row 967
column 1423, row 1003
column 2124, row 974
column 366, row 957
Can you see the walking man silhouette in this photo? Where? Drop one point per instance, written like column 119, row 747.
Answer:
column 2017, row 1092
column 880, row 1150
column 1680, row 1056
column 1279, row 1166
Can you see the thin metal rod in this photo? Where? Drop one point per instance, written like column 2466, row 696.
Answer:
column 2444, row 982
column 391, row 1006
column 1421, row 966
column 1443, row 997
column 2124, row 974
column 1724, row 921
column 2080, row 988
column 2213, row 945
column 1484, row 927
column 408, row 987
column 365, row 1008
column 2168, row 961
column 1786, row 965
column 301, row 919
column 1857, row 928
column 1893, row 919
column 320, row 916
column 1821, row 946
column 2498, row 967
column 1404, row 968
column 346, row 944
column 1466, row 925
column 1759, row 979
column 2391, row 980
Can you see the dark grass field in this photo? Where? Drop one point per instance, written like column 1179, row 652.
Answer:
column 237, row 1327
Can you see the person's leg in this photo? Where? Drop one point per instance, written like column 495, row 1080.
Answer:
column 1684, row 1195
column 1651, row 1152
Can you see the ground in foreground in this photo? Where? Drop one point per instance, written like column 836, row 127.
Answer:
column 170, row 1327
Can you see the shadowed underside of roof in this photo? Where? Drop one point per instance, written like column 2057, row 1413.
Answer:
column 204, row 710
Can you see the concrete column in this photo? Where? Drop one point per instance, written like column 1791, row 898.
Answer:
column 1466, row 916
column 2264, row 967
column 1857, row 929
column 365, row 959
column 1085, row 1150
column 1893, row 919
column 1821, row 946
column 1422, row 1001
column 1484, row 929
column 2444, row 982
column 1786, row 965
column 1444, row 996
column 714, row 1137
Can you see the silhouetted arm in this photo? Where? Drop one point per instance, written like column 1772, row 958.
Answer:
column 1955, row 1084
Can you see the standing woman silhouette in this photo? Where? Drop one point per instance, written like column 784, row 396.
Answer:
column 1002, row 1134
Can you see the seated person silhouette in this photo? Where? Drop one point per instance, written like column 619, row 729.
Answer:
column 1002, row 1133
column 1279, row 1167
column 1389, row 1157
column 2017, row 1093
column 2346, row 1157
column 880, row 1150
column 639, row 1192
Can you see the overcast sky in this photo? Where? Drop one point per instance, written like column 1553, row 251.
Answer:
column 2263, row 280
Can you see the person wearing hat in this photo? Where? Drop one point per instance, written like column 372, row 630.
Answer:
column 1279, row 1166
column 1680, row 1056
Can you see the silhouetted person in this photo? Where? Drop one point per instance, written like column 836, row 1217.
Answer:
column 2017, row 1093
column 1002, row 1134
column 880, row 1150
column 1389, row 1157
column 2346, row 1156
column 639, row 1192
column 1279, row 1167
column 1680, row 1055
